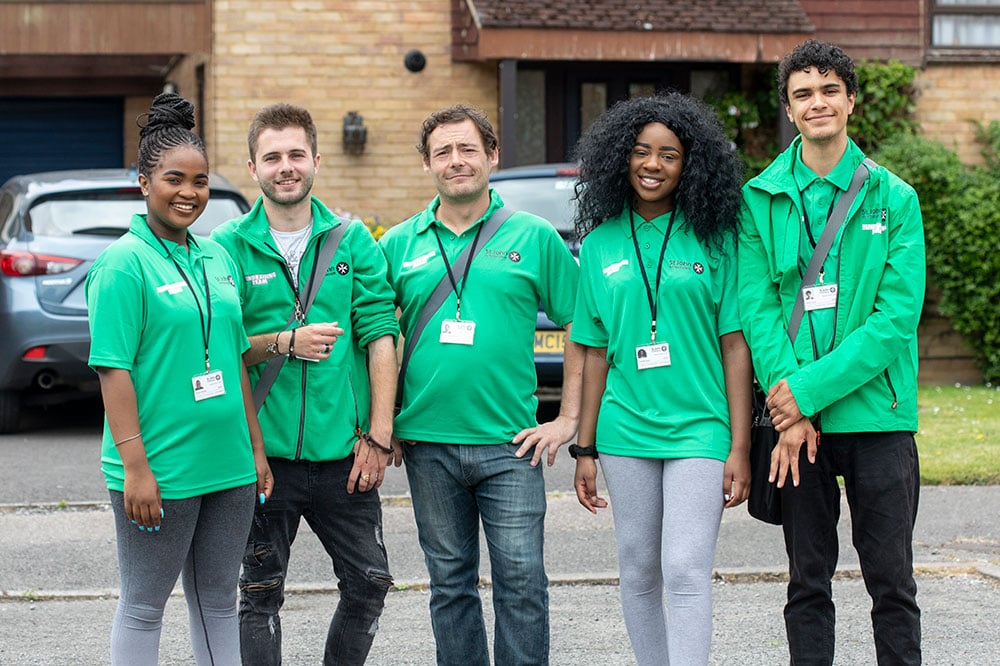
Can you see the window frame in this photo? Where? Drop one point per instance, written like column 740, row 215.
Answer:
column 961, row 53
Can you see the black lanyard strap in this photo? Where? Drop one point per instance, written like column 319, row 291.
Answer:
column 324, row 258
column 833, row 223
column 465, row 275
column 652, row 294
column 206, row 326
column 440, row 294
column 299, row 310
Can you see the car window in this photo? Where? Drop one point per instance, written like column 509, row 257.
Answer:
column 6, row 207
column 107, row 213
column 550, row 198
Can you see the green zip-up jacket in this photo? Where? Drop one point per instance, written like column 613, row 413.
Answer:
column 868, row 381
column 313, row 407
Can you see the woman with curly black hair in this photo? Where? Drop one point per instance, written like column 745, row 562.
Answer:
column 666, row 382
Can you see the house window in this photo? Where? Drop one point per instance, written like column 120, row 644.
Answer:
column 965, row 24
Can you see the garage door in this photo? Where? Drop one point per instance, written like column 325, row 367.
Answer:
column 45, row 134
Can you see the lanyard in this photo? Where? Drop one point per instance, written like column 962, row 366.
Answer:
column 451, row 276
column 206, row 327
column 286, row 270
column 809, row 233
column 651, row 294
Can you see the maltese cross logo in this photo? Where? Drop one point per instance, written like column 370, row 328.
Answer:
column 343, row 268
column 514, row 256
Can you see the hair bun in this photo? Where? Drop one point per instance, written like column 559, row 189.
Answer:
column 168, row 110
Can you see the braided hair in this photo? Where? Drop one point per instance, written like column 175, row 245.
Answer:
column 167, row 125
column 709, row 188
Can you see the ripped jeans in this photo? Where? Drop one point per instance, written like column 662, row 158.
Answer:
column 350, row 528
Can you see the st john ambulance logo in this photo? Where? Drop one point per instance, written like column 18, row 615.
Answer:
column 343, row 268
column 514, row 256
column 698, row 268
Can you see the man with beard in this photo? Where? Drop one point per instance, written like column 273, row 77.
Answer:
column 322, row 326
column 467, row 417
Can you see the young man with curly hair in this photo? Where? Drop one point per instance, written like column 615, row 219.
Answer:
column 850, row 372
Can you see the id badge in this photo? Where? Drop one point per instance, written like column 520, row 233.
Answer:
column 208, row 385
column 455, row 332
column 656, row 355
column 820, row 297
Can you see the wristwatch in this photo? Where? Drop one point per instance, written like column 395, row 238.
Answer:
column 587, row 451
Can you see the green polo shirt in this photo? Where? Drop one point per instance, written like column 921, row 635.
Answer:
column 676, row 411
column 817, row 196
column 144, row 319
column 481, row 393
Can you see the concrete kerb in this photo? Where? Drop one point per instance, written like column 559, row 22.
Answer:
column 986, row 570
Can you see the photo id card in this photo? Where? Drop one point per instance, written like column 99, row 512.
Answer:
column 656, row 355
column 208, row 385
column 455, row 332
column 820, row 297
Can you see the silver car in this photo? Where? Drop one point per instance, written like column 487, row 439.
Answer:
column 546, row 190
column 52, row 227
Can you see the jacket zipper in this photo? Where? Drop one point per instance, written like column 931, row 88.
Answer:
column 892, row 389
column 302, row 414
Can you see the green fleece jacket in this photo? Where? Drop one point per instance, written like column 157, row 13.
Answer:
column 313, row 407
column 868, row 381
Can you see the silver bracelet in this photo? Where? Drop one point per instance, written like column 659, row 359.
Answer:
column 128, row 439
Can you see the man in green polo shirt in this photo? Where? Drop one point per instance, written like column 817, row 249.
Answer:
column 467, row 415
column 851, row 370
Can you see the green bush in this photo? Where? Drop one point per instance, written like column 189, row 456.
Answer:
column 933, row 170
column 989, row 136
column 961, row 212
column 885, row 103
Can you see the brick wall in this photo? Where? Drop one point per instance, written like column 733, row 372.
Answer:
column 950, row 95
column 333, row 57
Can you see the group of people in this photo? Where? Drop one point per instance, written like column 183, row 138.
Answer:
column 285, row 324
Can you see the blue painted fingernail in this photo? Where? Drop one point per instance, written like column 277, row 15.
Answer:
column 157, row 528
column 133, row 522
column 262, row 498
column 161, row 512
column 141, row 528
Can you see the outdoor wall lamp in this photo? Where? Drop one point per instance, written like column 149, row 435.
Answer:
column 355, row 133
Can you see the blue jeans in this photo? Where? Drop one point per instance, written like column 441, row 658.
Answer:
column 350, row 528
column 882, row 480
column 453, row 487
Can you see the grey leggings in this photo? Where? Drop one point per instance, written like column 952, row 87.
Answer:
column 667, row 515
column 202, row 537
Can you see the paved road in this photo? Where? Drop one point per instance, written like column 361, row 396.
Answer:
column 59, row 579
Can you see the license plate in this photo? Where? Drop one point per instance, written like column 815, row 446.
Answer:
column 550, row 342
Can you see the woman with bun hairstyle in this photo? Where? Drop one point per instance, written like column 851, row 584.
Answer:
column 182, row 453
column 666, row 380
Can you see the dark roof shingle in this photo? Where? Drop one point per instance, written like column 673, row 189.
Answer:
column 769, row 16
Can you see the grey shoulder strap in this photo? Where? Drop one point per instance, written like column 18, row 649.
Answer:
column 323, row 261
column 443, row 289
column 825, row 242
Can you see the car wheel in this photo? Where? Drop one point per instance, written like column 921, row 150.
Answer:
column 10, row 411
